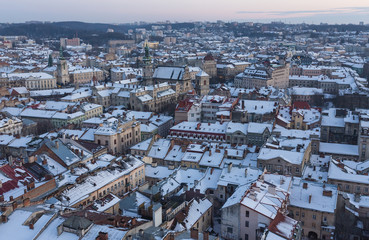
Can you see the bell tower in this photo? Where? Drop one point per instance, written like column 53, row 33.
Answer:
column 147, row 68
column 62, row 76
column 202, row 83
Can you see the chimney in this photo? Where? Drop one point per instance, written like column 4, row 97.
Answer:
column 229, row 167
column 44, row 161
column 310, row 198
column 26, row 202
column 56, row 144
column 194, row 233
column 245, row 172
column 102, row 236
column 2, row 198
column 31, row 226
column 209, row 152
column 4, row 219
column 11, row 198
column 271, row 189
column 205, row 235
column 243, row 104
column 81, row 153
column 305, row 185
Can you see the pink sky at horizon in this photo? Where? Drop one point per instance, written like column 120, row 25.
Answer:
column 123, row 11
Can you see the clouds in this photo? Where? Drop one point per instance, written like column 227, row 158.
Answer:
column 123, row 11
column 293, row 13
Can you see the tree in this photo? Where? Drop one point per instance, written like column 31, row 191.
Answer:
column 50, row 61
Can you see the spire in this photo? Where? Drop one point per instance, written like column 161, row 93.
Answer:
column 147, row 58
column 61, row 57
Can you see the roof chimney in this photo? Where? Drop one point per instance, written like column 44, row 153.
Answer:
column 194, row 233
column 229, row 167
column 305, row 185
column 310, row 198
column 56, row 144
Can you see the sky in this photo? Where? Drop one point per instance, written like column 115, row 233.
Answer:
column 124, row 11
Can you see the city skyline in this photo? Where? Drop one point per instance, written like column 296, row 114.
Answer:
column 114, row 11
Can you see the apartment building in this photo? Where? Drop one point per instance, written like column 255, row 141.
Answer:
column 118, row 136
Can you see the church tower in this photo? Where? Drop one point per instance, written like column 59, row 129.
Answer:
column 147, row 68
column 62, row 76
column 202, row 83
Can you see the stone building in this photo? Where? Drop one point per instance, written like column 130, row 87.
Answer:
column 62, row 75
column 154, row 98
column 258, row 76
column 173, row 75
column 314, row 204
column 118, row 136
column 202, row 83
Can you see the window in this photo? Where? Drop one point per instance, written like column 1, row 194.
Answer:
column 314, row 216
column 247, row 213
column 229, row 230
column 247, row 224
column 302, row 214
column 246, row 237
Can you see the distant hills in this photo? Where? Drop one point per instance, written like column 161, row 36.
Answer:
column 92, row 33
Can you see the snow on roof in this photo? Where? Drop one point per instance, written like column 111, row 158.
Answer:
column 159, row 149
column 175, row 154
column 159, row 172
column 212, row 158
column 14, row 111
column 329, row 118
column 300, row 196
column 195, row 211
column 57, row 106
column 14, row 228
column 81, row 191
column 113, row 233
column 143, row 146
column 5, row 139
column 294, row 133
column 192, row 157
column 362, row 202
column 259, row 107
column 21, row 142
column 216, row 127
column 337, row 148
column 342, row 173
column 306, row 91
column 238, row 175
column 289, row 156
column 50, row 92
column 237, row 195
column 258, row 128
column 89, row 135
column 234, row 127
column 51, row 232
column 209, row 181
column 262, row 200
column 35, row 113
column 30, row 75
column 170, row 73
column 51, row 165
